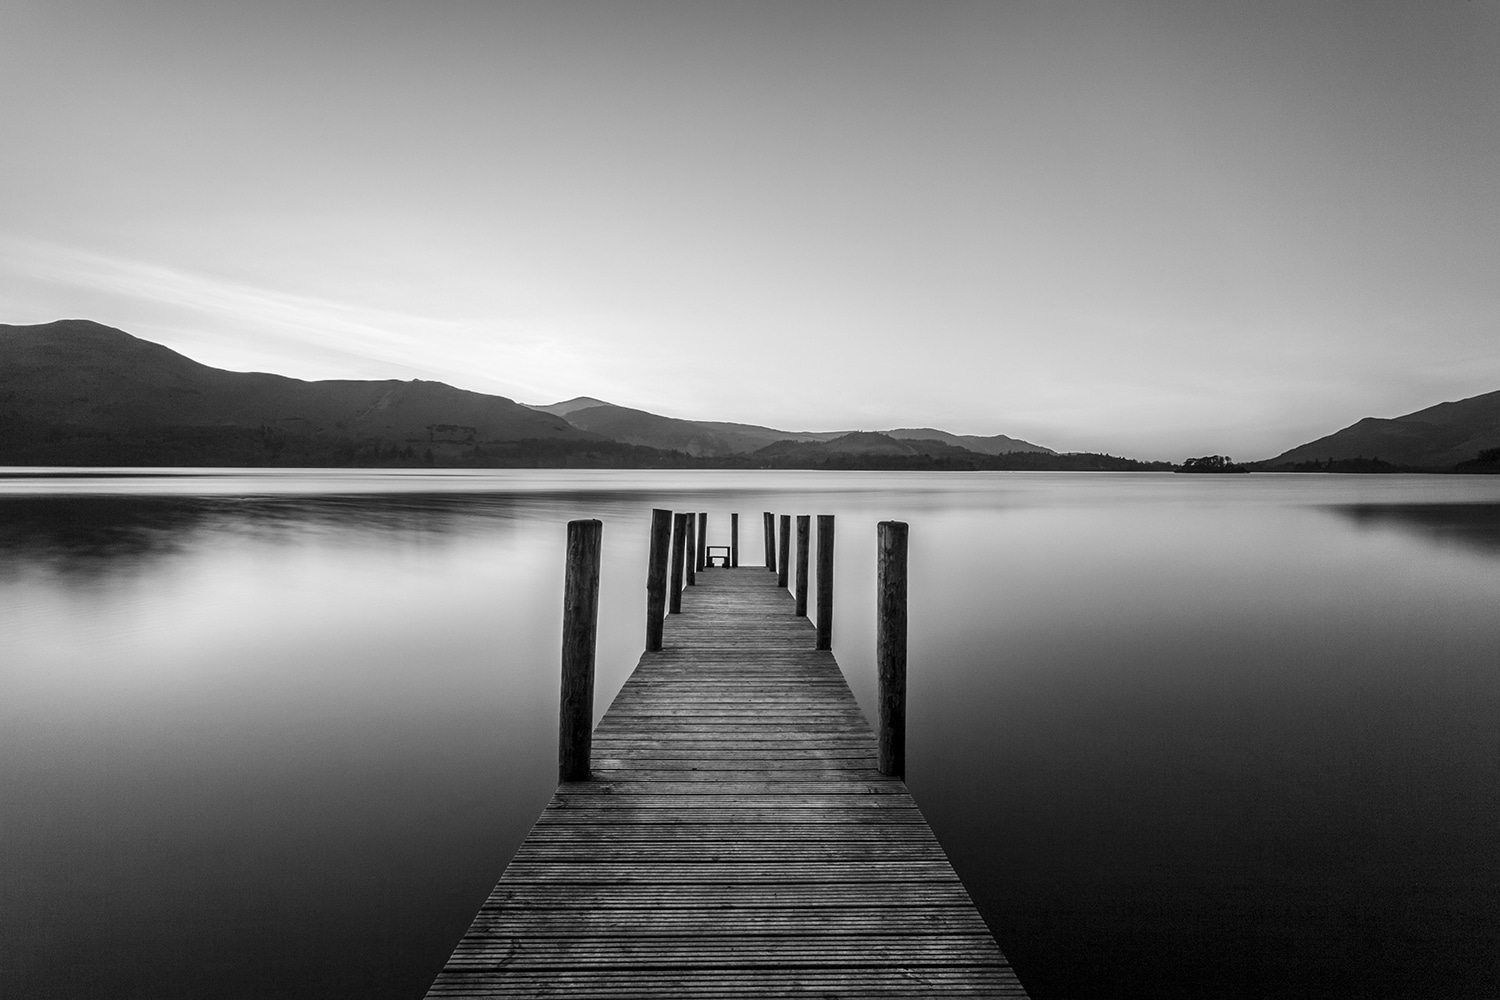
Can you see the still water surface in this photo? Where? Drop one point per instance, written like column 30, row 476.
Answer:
column 277, row 734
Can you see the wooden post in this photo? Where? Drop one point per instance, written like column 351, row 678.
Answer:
column 656, row 577
column 692, row 550
column 734, row 540
column 768, row 521
column 575, row 732
column 703, row 540
column 890, row 644
column 804, row 539
column 679, row 556
column 825, row 582
column 784, row 556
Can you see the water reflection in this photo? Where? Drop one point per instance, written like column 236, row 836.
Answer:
column 1217, row 753
column 1471, row 526
column 277, row 735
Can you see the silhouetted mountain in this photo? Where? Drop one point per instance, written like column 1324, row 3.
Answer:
column 699, row 438
column 76, row 392
column 567, row 406
column 757, row 437
column 74, row 380
column 1439, row 437
column 855, row 443
column 998, row 444
column 716, row 438
column 651, row 430
column 870, row 450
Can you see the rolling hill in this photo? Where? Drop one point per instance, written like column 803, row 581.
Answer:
column 998, row 444
column 699, row 438
column 1437, row 438
column 714, row 438
column 76, row 392
column 76, row 379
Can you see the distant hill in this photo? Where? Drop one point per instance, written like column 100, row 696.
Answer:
column 567, row 406
column 998, row 444
column 715, row 438
column 75, row 392
column 697, row 438
column 1438, row 438
column 871, row 450
column 74, row 380
column 855, row 443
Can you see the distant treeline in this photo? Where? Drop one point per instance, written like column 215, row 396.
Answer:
column 1016, row 461
column 1359, row 465
column 25, row 442
column 1487, row 462
column 28, row 443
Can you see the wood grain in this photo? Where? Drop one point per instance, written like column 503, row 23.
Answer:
column 737, row 840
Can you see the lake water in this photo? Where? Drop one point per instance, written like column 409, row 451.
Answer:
column 277, row 733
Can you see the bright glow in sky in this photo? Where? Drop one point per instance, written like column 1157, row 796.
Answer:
column 1149, row 228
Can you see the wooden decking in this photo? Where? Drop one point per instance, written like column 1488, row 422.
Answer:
column 736, row 840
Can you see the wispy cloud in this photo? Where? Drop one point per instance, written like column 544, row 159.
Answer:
column 235, row 323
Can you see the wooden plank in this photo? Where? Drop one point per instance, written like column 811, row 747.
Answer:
column 736, row 839
column 734, row 984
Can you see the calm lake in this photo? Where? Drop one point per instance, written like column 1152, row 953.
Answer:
column 277, row 733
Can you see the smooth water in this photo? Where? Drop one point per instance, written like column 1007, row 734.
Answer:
column 277, row 734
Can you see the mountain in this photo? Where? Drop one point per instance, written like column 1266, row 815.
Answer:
column 75, row 392
column 998, row 444
column 78, row 379
column 871, row 450
column 1439, row 437
column 855, row 443
column 568, row 406
column 715, row 438
column 699, row 438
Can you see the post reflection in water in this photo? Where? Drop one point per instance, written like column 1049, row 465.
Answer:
column 279, row 735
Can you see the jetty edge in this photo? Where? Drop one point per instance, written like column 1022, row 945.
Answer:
column 736, row 828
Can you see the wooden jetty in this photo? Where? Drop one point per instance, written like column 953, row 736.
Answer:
column 735, row 839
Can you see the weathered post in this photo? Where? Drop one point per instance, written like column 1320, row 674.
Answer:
column 692, row 550
column 679, row 555
column 890, row 644
column 825, row 582
column 784, row 556
column 734, row 540
column 703, row 540
column 656, row 577
column 575, row 731
column 768, row 521
column 804, row 539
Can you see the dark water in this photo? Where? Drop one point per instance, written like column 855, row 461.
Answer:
column 277, row 735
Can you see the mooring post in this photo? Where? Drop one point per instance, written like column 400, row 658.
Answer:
column 769, row 531
column 784, row 556
column 890, row 644
column 575, row 742
column 703, row 540
column 804, row 537
column 679, row 556
column 656, row 577
column 692, row 550
column 825, row 582
column 734, row 540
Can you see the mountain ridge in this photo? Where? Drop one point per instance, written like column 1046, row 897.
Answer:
column 1437, row 437
column 77, row 392
column 80, row 392
column 717, row 438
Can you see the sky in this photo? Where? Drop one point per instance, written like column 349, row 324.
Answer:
column 1157, row 229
